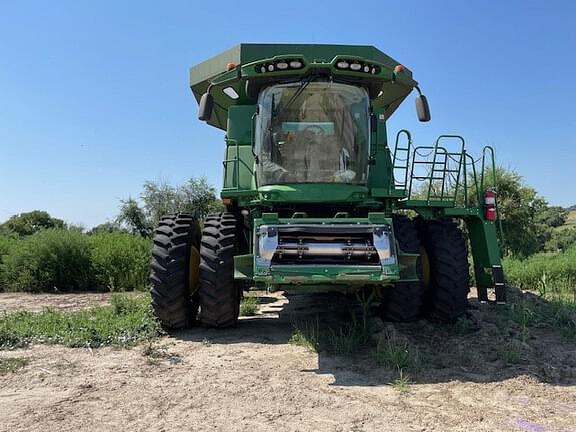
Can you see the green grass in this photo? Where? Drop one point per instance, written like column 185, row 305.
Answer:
column 345, row 339
column 552, row 277
column 509, row 354
column 402, row 383
column 125, row 322
column 392, row 353
column 12, row 364
column 249, row 306
column 558, row 269
column 307, row 335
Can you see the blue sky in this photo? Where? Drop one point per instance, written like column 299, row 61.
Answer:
column 94, row 96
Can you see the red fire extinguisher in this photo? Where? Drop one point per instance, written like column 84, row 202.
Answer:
column 490, row 205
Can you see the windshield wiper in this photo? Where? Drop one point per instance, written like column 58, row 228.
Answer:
column 298, row 92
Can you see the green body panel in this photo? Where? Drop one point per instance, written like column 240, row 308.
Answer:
column 394, row 183
column 313, row 193
column 395, row 87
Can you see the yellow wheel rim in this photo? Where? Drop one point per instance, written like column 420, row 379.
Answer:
column 193, row 269
column 425, row 268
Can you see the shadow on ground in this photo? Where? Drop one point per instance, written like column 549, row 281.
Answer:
column 493, row 343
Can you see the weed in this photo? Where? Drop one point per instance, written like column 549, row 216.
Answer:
column 307, row 335
column 392, row 353
column 249, row 306
column 403, row 382
column 345, row 340
column 127, row 322
column 509, row 354
column 464, row 326
column 523, row 315
column 155, row 354
column 12, row 364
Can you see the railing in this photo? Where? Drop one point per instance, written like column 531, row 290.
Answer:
column 435, row 176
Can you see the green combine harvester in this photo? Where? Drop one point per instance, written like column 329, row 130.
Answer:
column 318, row 199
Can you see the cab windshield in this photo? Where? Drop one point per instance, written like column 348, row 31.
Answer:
column 312, row 132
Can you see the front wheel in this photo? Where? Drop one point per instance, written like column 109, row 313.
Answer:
column 402, row 302
column 174, row 270
column 444, row 242
column 219, row 293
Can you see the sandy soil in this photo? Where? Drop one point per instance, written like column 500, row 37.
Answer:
column 251, row 379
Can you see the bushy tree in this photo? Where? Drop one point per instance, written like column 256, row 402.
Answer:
column 107, row 227
column 196, row 196
column 553, row 216
column 562, row 240
column 134, row 217
column 25, row 224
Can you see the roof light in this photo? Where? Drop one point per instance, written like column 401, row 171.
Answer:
column 355, row 66
column 342, row 64
column 282, row 65
column 296, row 64
column 231, row 93
column 230, row 66
column 399, row 68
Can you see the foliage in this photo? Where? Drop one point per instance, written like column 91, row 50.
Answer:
column 134, row 218
column 120, row 261
column 525, row 215
column 12, row 364
column 249, row 306
column 50, row 260
column 529, row 272
column 552, row 216
column 56, row 260
column 307, row 334
column 25, row 224
column 561, row 240
column 196, row 196
column 107, row 227
column 125, row 322
column 6, row 245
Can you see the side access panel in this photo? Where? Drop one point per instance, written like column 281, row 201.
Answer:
column 486, row 255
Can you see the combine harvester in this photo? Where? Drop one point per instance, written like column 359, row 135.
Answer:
column 317, row 200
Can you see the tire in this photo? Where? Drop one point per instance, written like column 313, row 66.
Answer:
column 444, row 242
column 175, row 250
column 403, row 301
column 219, row 294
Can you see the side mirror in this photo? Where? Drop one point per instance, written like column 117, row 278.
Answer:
column 422, row 108
column 205, row 107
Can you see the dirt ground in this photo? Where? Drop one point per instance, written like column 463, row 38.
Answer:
column 251, row 379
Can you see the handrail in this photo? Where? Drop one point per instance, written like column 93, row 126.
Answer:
column 407, row 149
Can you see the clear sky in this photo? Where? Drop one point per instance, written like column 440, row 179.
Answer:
column 94, row 96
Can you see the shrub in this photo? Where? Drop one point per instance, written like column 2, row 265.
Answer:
column 6, row 245
column 50, row 260
column 120, row 261
column 554, row 267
